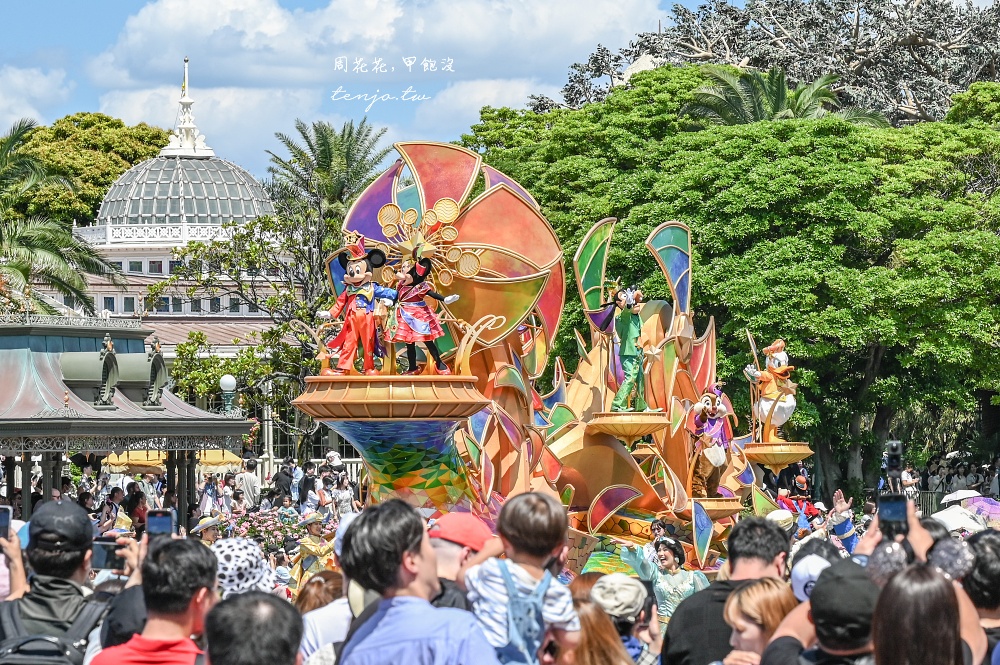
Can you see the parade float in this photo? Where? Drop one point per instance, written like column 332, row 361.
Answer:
column 447, row 308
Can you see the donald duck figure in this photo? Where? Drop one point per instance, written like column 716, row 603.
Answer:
column 776, row 389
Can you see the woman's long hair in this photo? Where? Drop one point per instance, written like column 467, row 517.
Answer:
column 599, row 641
column 916, row 620
column 321, row 589
column 765, row 602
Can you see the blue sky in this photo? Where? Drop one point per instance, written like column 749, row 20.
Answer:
column 257, row 65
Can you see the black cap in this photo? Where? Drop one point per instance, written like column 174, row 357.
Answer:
column 60, row 525
column 842, row 603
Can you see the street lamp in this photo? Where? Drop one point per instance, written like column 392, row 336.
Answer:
column 228, row 385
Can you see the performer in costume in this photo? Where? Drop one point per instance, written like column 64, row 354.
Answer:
column 775, row 385
column 357, row 303
column 671, row 583
column 712, row 436
column 412, row 320
column 628, row 326
column 315, row 553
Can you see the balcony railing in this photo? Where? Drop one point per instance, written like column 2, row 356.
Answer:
column 151, row 234
column 21, row 318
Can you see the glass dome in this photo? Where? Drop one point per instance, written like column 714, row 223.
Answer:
column 192, row 190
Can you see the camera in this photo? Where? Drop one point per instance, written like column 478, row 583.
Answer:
column 892, row 505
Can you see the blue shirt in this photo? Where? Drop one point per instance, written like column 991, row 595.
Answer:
column 410, row 630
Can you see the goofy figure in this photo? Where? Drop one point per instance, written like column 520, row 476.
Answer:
column 357, row 303
column 712, row 440
column 412, row 321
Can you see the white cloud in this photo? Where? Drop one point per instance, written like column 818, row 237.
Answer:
column 24, row 93
column 239, row 123
column 258, row 42
column 458, row 105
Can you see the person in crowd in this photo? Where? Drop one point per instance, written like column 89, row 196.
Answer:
column 325, row 506
column 248, row 481
column 228, row 488
column 240, row 505
column 806, row 570
column 960, row 480
column 922, row 618
column 658, row 529
column 322, row 589
column 297, row 475
column 600, row 643
column 456, row 538
column 242, row 567
column 982, row 584
column 282, row 482
column 287, row 512
column 387, row 549
column 671, row 583
column 138, row 514
column 268, row 502
column 623, row 599
column 838, row 618
column 583, row 584
column 533, row 531
column 754, row 612
column 329, row 624
column 910, row 481
column 343, row 495
column 975, row 479
column 314, row 552
column 207, row 529
column 698, row 633
column 109, row 513
column 253, row 628
column 308, row 495
column 147, row 485
column 335, row 463
column 55, row 607
column 86, row 501
column 178, row 579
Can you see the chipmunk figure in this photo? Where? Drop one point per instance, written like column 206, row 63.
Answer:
column 712, row 436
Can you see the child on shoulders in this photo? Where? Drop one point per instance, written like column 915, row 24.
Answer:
column 517, row 600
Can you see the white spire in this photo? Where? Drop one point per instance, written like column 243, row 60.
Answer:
column 185, row 141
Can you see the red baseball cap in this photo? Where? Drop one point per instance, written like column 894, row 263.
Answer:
column 464, row 529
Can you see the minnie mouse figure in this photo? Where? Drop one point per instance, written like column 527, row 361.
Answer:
column 411, row 320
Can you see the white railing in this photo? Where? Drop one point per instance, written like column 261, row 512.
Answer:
column 21, row 319
column 151, row 234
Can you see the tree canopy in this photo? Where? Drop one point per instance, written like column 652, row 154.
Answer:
column 873, row 252
column 91, row 150
column 903, row 59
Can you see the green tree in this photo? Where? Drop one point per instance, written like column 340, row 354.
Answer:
column 91, row 150
column 325, row 168
column 277, row 265
column 980, row 103
column 873, row 252
column 740, row 97
column 38, row 251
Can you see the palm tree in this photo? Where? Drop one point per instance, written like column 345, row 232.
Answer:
column 741, row 97
column 326, row 169
column 38, row 251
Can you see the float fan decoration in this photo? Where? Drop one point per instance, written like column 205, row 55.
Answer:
column 446, row 312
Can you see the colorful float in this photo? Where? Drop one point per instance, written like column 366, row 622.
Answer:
column 459, row 281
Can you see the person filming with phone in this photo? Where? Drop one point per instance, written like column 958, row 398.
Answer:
column 59, row 551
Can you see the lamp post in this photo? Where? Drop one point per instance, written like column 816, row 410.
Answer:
column 228, row 385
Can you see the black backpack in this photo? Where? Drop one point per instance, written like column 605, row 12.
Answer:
column 19, row 648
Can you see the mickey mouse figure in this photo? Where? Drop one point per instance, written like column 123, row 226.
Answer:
column 357, row 303
column 412, row 320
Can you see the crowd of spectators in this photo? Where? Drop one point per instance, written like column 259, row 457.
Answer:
column 795, row 587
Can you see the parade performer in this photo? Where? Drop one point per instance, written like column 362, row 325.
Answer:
column 357, row 303
column 207, row 529
column 712, row 436
column 671, row 583
column 628, row 326
column 775, row 385
column 315, row 552
column 412, row 320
